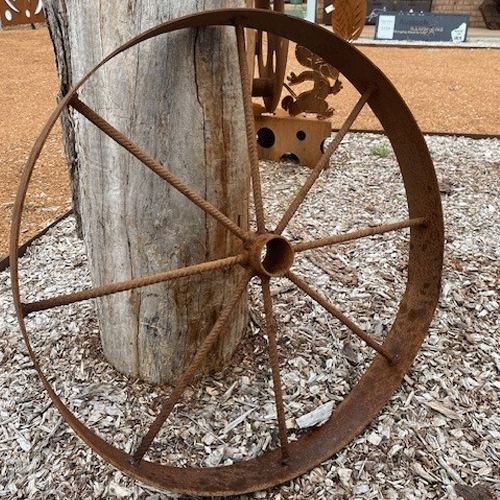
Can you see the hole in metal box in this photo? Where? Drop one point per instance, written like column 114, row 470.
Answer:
column 301, row 135
column 290, row 158
column 266, row 137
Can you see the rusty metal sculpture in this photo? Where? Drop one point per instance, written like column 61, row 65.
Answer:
column 490, row 12
column 348, row 20
column 271, row 52
column 13, row 12
column 393, row 357
column 326, row 82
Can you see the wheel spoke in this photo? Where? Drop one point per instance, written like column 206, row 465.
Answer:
column 361, row 233
column 323, row 162
column 274, row 359
column 157, row 168
column 392, row 359
column 191, row 370
column 123, row 286
column 246, row 90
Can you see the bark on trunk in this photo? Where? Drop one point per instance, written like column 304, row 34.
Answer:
column 178, row 97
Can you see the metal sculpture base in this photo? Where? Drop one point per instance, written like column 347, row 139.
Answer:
column 296, row 138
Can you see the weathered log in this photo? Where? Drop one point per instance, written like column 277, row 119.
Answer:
column 179, row 98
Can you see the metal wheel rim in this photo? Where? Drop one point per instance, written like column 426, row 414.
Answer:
column 415, row 311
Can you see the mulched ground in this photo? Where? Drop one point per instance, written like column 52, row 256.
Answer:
column 436, row 438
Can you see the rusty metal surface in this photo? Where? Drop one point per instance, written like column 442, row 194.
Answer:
column 300, row 138
column 325, row 79
column 490, row 12
column 271, row 52
column 13, row 12
column 349, row 18
column 416, row 307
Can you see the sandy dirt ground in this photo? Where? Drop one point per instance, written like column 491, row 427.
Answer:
column 448, row 89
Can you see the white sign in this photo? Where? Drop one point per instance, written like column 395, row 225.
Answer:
column 385, row 29
column 458, row 34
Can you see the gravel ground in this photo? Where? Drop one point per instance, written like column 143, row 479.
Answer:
column 438, row 437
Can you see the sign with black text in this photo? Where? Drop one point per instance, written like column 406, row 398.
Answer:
column 422, row 27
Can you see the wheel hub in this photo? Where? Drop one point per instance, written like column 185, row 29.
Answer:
column 271, row 255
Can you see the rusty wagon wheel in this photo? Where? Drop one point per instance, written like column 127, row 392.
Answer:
column 267, row 254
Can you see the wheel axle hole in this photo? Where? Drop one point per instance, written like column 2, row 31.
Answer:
column 271, row 255
column 278, row 257
column 265, row 137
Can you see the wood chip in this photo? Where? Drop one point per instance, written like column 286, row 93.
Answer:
column 316, row 416
column 443, row 410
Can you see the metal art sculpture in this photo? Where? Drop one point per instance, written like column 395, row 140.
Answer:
column 14, row 12
column 490, row 12
column 267, row 254
column 271, row 52
column 348, row 18
column 348, row 21
column 314, row 100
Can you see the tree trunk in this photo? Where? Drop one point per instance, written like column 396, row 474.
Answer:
column 179, row 98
